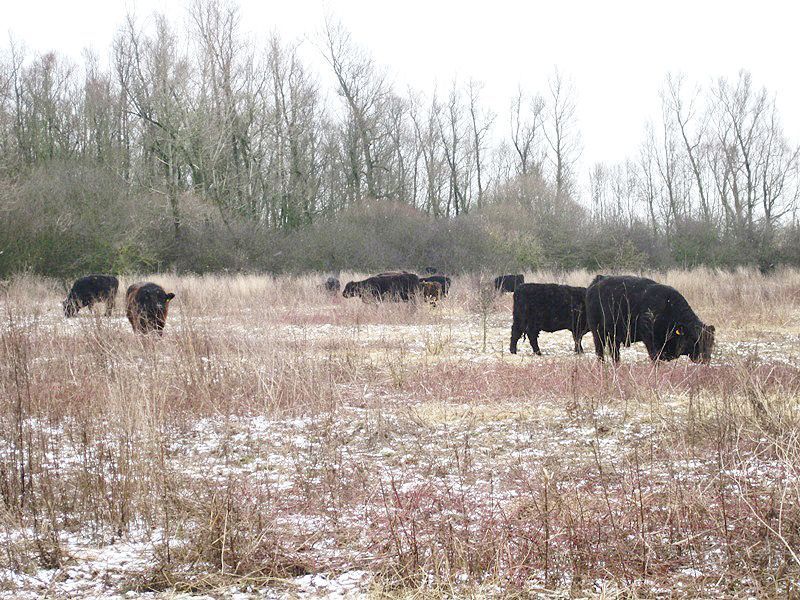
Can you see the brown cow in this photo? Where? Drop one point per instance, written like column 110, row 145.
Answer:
column 147, row 305
column 431, row 291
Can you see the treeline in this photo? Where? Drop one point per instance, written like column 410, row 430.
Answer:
column 197, row 150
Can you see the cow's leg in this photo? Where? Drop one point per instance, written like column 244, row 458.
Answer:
column 578, row 345
column 615, row 347
column 109, row 305
column 533, row 338
column 516, row 333
column 599, row 344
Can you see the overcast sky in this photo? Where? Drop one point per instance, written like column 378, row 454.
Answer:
column 615, row 52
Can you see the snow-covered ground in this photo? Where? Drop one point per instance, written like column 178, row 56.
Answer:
column 413, row 444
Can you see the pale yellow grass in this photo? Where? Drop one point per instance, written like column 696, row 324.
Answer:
column 262, row 436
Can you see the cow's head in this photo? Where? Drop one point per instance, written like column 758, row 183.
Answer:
column 703, row 344
column 695, row 341
column 155, row 302
column 154, row 305
column 70, row 307
column 352, row 289
column 162, row 300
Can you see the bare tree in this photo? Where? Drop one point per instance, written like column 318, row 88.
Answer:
column 667, row 159
column 220, row 153
column 693, row 143
column 364, row 89
column 158, row 80
column 294, row 137
column 429, row 142
column 598, row 189
column 756, row 169
column 527, row 122
column 481, row 123
column 647, row 181
column 562, row 134
column 455, row 134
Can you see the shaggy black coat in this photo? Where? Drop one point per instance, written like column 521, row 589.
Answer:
column 508, row 283
column 88, row 290
column 398, row 285
column 625, row 309
column 548, row 307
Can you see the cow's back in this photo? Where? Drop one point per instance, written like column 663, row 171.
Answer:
column 549, row 306
column 508, row 283
column 400, row 284
column 614, row 303
column 95, row 286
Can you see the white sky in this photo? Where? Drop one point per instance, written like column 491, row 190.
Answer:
column 616, row 52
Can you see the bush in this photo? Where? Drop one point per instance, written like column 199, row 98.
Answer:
column 68, row 219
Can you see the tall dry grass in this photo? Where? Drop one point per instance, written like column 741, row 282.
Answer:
column 277, row 430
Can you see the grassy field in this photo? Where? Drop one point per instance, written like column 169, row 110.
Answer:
column 279, row 441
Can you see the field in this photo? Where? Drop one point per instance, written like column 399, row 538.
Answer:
column 281, row 442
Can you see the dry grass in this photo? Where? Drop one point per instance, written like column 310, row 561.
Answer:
column 278, row 439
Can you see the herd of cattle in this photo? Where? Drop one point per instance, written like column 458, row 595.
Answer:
column 146, row 304
column 618, row 310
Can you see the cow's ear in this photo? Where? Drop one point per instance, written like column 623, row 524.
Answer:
column 711, row 329
column 678, row 330
column 170, row 296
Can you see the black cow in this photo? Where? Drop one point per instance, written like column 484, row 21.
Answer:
column 442, row 280
column 508, row 283
column 548, row 307
column 89, row 290
column 396, row 285
column 332, row 285
column 626, row 309
column 147, row 305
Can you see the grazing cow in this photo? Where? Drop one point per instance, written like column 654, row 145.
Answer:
column 396, row 285
column 442, row 280
column 332, row 285
column 548, row 307
column 147, row 305
column 508, row 283
column 89, row 290
column 625, row 309
column 431, row 291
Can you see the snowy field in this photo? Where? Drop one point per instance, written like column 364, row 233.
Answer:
column 282, row 442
